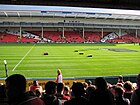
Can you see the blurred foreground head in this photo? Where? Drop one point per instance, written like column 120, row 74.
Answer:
column 50, row 87
column 15, row 86
column 78, row 89
column 101, row 83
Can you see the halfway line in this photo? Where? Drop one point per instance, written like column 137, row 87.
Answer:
column 23, row 57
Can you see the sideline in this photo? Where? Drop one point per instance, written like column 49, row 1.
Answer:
column 23, row 57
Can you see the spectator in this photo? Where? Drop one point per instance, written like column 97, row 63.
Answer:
column 78, row 91
column 85, row 84
column 71, row 93
column 35, row 86
column 59, row 78
column 1, row 84
column 134, row 86
column 90, row 90
column 128, row 87
column 66, row 91
column 36, row 93
column 37, row 90
column 120, row 81
column 120, row 100
column 135, row 99
column 89, row 83
column 112, row 89
column 49, row 97
column 16, row 91
column 59, row 94
column 102, row 95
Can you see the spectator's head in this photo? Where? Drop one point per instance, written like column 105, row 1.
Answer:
column 119, row 91
column 60, row 87
column 59, row 71
column 90, row 90
column 15, row 86
column 78, row 89
column 85, row 85
column 112, row 89
column 50, row 87
column 89, row 83
column 120, row 78
column 66, row 90
column 128, row 86
column 101, row 83
column 119, row 84
column 35, row 83
column 1, row 84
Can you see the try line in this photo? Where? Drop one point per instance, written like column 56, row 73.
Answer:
column 23, row 57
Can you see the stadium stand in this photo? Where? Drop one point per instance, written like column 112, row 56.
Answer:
column 8, row 38
column 127, row 38
column 53, row 35
column 11, row 37
column 73, row 36
column 69, row 37
column 92, row 36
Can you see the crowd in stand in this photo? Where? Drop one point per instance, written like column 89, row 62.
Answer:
column 14, row 92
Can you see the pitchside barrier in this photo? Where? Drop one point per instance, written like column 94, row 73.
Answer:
column 69, row 81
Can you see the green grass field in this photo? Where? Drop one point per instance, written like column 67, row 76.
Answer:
column 28, row 59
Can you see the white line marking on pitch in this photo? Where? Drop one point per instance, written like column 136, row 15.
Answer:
column 23, row 57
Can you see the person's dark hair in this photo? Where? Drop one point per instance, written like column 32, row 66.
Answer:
column 60, row 87
column 66, row 88
column 120, row 78
column 78, row 89
column 35, row 83
column 128, row 86
column 100, row 83
column 18, row 81
column 90, row 89
column 50, row 87
column 89, row 82
column 119, row 91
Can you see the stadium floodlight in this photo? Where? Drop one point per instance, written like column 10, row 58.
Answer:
column 6, row 70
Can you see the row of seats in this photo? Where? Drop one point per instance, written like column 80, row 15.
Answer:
column 93, row 37
column 69, row 36
column 4, row 37
column 8, row 38
column 126, row 39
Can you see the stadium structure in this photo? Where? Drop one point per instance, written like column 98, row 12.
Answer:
column 57, row 24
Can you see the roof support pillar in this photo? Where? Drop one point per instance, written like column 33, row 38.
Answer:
column 42, row 32
column 120, row 32
column 20, row 31
column 63, row 32
column 83, row 33
column 102, row 32
column 136, row 33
